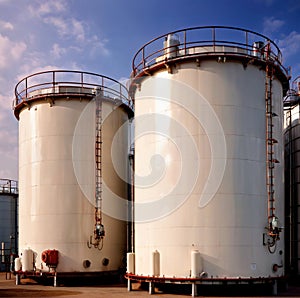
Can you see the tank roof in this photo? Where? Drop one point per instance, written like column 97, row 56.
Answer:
column 55, row 84
column 207, row 42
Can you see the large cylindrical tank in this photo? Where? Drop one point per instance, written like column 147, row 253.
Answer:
column 208, row 153
column 292, row 179
column 57, row 128
column 8, row 220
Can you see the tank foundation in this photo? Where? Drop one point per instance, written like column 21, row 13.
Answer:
column 207, row 285
column 69, row 278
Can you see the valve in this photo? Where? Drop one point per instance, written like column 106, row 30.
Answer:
column 274, row 229
column 272, row 235
column 99, row 231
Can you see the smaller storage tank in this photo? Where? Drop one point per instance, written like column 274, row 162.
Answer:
column 292, row 178
column 68, row 121
column 8, row 220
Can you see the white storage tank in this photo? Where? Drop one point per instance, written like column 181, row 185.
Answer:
column 208, row 157
column 61, row 212
column 8, row 221
column 292, row 178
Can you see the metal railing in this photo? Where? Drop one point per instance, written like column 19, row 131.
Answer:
column 203, row 41
column 69, row 82
column 8, row 186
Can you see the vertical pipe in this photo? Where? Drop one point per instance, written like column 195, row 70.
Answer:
column 81, row 81
column 131, row 263
column 121, row 95
column 129, row 215
column 156, row 263
column 214, row 38
column 130, row 221
column 196, row 264
column 184, row 41
column 143, row 57
column 290, row 186
column 131, row 185
column 151, row 288
column 26, row 84
column 129, row 285
column 274, row 288
column 295, row 203
column 2, row 252
column 132, row 205
column 194, row 290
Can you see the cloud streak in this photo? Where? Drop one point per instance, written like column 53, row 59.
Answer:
column 6, row 25
column 290, row 44
column 47, row 7
column 10, row 51
column 271, row 25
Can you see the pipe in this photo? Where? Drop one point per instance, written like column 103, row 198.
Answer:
column 2, row 252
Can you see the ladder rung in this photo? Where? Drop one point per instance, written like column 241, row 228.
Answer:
column 273, row 114
column 272, row 141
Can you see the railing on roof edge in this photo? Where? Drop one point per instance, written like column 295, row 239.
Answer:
column 86, row 82
column 214, row 37
column 8, row 186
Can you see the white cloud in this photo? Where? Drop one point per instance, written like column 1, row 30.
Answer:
column 272, row 25
column 69, row 27
column 59, row 23
column 78, row 30
column 47, row 7
column 290, row 44
column 10, row 51
column 71, row 34
column 57, row 51
column 6, row 25
column 98, row 46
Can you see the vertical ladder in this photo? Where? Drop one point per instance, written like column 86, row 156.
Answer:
column 99, row 229
column 99, row 233
column 270, row 141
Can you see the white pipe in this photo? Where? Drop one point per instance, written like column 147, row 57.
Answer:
column 3, row 252
column 196, row 263
column 131, row 262
column 155, row 263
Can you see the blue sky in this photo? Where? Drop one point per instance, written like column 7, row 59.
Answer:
column 102, row 36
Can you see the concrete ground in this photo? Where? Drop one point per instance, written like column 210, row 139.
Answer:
column 29, row 288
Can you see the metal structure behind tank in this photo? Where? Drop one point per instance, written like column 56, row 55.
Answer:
column 292, row 164
column 56, row 113
column 230, row 74
column 8, row 221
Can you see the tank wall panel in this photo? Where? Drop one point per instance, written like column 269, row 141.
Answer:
column 57, row 183
column 228, row 230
